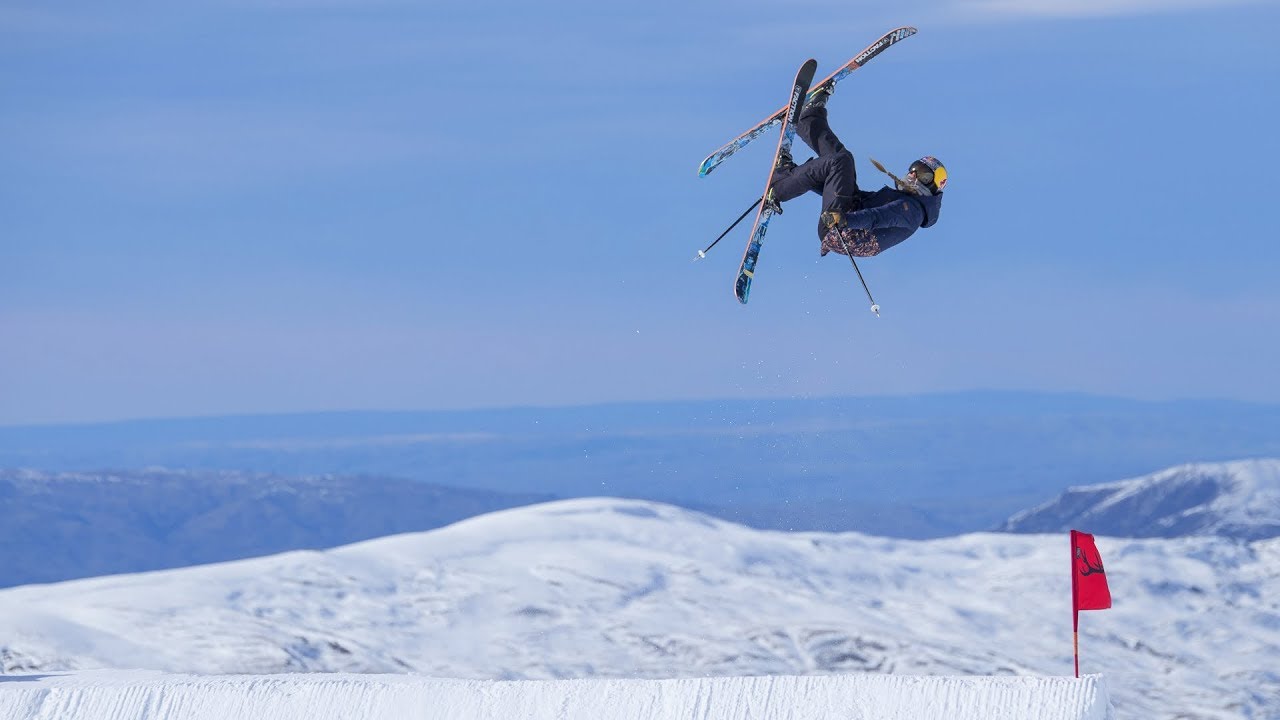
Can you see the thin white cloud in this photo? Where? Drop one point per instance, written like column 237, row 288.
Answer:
column 309, row 4
column 1091, row 8
column 37, row 21
column 201, row 147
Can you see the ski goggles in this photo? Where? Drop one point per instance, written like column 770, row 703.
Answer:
column 935, row 178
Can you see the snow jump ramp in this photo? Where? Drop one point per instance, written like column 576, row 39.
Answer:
column 140, row 695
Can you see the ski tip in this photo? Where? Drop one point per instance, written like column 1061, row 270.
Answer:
column 807, row 71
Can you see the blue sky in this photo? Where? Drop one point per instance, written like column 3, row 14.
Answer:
column 255, row 206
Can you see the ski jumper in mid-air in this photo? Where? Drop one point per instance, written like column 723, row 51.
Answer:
column 865, row 223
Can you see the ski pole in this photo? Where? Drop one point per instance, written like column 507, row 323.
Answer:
column 874, row 307
column 703, row 253
column 881, row 169
column 897, row 182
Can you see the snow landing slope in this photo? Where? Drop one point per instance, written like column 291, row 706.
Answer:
column 115, row 695
column 1235, row 499
column 603, row 588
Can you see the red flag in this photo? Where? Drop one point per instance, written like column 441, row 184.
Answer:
column 1089, row 589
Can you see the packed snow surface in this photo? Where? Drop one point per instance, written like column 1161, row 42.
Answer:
column 604, row 588
column 116, row 695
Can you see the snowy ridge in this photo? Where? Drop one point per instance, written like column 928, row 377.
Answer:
column 605, row 588
column 106, row 695
column 1238, row 499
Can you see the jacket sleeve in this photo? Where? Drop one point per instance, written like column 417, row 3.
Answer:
column 902, row 213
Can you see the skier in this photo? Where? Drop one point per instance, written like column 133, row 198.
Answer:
column 866, row 223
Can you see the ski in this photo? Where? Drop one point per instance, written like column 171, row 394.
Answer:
column 890, row 38
column 799, row 93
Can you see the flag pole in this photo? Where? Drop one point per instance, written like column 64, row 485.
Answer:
column 1075, row 608
column 1075, row 644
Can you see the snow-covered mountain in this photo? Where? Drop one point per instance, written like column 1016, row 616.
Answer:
column 616, row 588
column 63, row 526
column 1235, row 499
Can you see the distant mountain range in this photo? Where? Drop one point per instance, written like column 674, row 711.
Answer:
column 624, row 588
column 63, row 526
column 916, row 466
column 60, row 526
column 1237, row 500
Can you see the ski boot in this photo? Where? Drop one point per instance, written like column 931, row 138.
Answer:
column 821, row 96
column 771, row 202
column 785, row 162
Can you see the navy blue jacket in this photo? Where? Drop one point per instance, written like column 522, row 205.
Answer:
column 887, row 217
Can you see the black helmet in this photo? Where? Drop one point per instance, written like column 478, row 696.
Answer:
column 930, row 173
